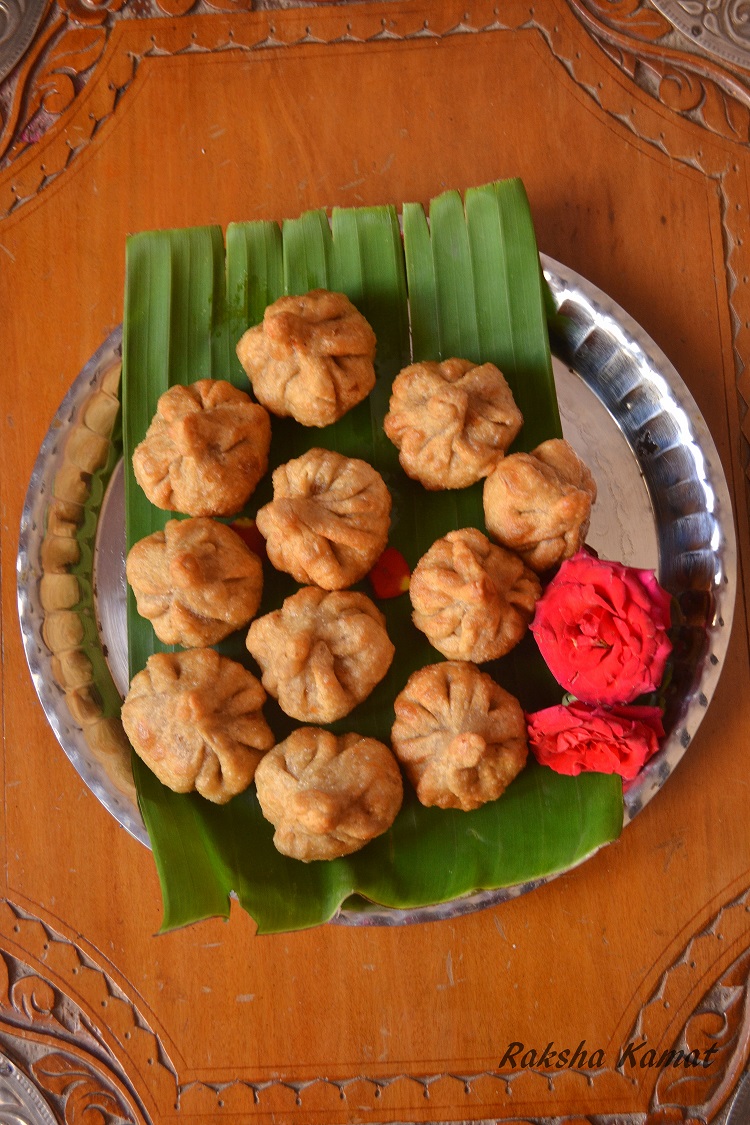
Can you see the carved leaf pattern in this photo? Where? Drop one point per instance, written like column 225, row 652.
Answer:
column 703, row 92
column 722, row 1021
column 52, row 1046
column 75, row 51
column 635, row 17
column 620, row 58
column 87, row 1102
column 689, row 93
column 50, row 85
column 678, row 89
column 4, row 984
column 34, row 997
column 724, row 114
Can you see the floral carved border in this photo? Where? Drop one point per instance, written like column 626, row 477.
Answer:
column 718, row 1016
column 71, row 41
column 644, row 45
column 68, row 47
column 69, row 1031
column 87, row 1068
column 46, row 1019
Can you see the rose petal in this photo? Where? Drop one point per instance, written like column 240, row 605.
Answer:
column 581, row 738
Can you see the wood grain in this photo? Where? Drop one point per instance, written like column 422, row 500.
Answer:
column 217, row 117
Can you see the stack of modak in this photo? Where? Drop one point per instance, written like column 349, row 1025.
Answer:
column 196, row 717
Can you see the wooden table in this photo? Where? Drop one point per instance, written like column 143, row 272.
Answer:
column 634, row 152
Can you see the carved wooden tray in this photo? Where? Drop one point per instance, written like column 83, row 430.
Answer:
column 130, row 115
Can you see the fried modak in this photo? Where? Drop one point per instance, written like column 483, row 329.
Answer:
column 322, row 653
column 460, row 737
column 195, row 719
column 539, row 503
column 328, row 521
column 310, row 358
column 451, row 421
column 205, row 450
column 196, row 581
column 328, row 796
column 472, row 599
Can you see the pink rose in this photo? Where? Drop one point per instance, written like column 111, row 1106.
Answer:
column 581, row 738
column 602, row 629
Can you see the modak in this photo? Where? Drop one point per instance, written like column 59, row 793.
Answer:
column 451, row 421
column 328, row 796
column 196, row 581
column 539, row 503
column 472, row 599
column 322, row 653
column 311, row 358
column 460, row 737
column 195, row 719
column 328, row 521
column 205, row 450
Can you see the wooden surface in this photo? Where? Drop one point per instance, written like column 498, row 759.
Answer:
column 234, row 115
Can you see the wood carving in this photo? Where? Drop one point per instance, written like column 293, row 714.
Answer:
column 722, row 1021
column 641, row 42
column 73, row 1031
column 50, row 1033
column 65, row 54
column 71, row 42
column 718, row 1019
column 45, row 1036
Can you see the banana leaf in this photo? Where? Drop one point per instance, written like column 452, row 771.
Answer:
column 465, row 281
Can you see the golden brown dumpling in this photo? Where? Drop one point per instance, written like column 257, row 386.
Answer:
column 205, row 450
column 195, row 719
column 196, row 581
column 539, row 503
column 451, row 421
column 460, row 737
column 328, row 796
column 311, row 358
column 328, row 521
column 471, row 599
column 322, row 653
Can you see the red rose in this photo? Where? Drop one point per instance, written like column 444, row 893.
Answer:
column 580, row 738
column 602, row 629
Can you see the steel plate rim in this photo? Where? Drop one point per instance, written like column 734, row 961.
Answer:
column 50, row 694
column 650, row 780
column 718, row 632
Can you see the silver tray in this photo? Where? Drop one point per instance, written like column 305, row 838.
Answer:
column 663, row 504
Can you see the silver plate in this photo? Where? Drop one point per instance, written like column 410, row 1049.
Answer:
column 719, row 27
column 19, row 20
column 663, row 504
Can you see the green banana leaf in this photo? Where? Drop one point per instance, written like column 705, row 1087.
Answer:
column 465, row 282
